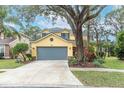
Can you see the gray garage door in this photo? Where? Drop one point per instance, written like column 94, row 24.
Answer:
column 52, row 53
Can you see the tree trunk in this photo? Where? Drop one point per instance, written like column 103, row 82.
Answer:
column 24, row 58
column 97, row 43
column 79, row 43
column 88, row 31
column 88, row 34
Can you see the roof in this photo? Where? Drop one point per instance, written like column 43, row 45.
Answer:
column 6, row 41
column 22, row 34
column 57, row 29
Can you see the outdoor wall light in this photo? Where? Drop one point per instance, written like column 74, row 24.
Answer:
column 51, row 39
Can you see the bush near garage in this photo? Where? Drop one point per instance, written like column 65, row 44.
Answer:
column 29, row 56
column 20, row 49
column 72, row 61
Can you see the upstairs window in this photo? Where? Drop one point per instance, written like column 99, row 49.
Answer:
column 65, row 36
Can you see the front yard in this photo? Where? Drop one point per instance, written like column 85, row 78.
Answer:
column 114, row 63
column 100, row 79
column 9, row 64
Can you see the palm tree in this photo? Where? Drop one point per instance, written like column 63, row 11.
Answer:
column 6, row 23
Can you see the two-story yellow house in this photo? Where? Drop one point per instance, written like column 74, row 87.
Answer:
column 54, row 44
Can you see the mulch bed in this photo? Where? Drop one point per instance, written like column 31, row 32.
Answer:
column 26, row 62
column 87, row 65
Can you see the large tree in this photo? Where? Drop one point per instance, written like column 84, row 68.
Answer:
column 75, row 15
column 100, row 33
column 115, row 20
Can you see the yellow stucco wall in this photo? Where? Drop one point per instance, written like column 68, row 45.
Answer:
column 59, row 33
column 57, row 42
column 71, row 37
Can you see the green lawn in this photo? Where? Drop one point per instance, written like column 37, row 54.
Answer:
column 113, row 62
column 100, row 79
column 9, row 64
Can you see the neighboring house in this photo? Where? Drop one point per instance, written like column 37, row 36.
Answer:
column 54, row 44
column 7, row 43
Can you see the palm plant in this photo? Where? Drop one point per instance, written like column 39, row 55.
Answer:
column 6, row 23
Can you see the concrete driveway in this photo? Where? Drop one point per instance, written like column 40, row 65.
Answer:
column 40, row 74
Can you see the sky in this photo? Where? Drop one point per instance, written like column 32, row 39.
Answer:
column 43, row 23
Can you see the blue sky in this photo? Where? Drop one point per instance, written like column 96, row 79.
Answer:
column 43, row 23
column 106, row 10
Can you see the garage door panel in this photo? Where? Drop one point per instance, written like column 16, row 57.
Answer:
column 52, row 53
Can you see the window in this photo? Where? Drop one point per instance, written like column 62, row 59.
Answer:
column 1, row 49
column 44, row 34
column 65, row 35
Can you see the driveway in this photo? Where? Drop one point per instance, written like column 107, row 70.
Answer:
column 40, row 74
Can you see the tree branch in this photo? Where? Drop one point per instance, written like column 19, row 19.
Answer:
column 69, row 10
column 83, row 12
column 93, row 15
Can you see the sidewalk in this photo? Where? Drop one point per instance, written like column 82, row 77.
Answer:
column 85, row 69
column 96, row 69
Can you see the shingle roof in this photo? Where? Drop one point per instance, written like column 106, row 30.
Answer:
column 6, row 41
column 56, row 29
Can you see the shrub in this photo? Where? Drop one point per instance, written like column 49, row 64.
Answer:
column 29, row 56
column 120, row 45
column 21, row 48
column 72, row 61
column 89, row 54
column 91, row 49
column 1, row 55
column 112, row 49
column 98, row 62
column 101, row 54
column 119, row 53
column 18, row 60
